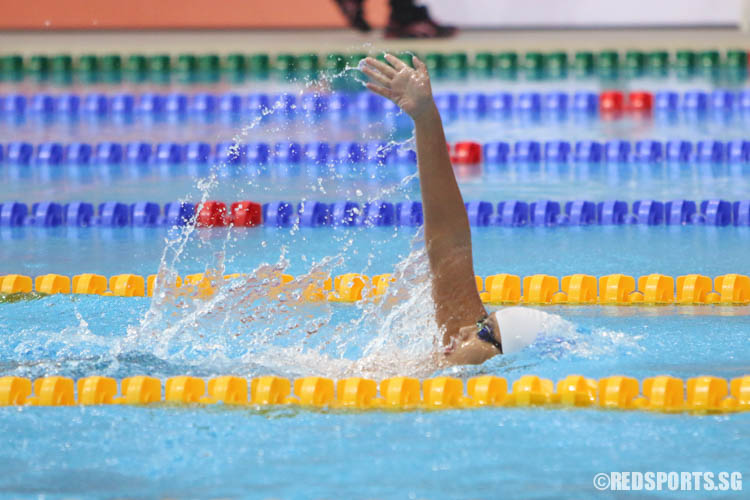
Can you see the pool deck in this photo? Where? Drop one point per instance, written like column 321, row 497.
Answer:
column 222, row 41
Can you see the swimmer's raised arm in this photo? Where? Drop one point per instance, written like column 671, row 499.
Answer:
column 446, row 225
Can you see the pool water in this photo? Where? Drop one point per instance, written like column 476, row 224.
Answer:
column 223, row 452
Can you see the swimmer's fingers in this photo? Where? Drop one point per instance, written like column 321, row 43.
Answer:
column 419, row 65
column 381, row 66
column 377, row 76
column 387, row 93
column 395, row 62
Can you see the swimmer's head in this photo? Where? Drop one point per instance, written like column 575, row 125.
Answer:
column 512, row 327
column 469, row 348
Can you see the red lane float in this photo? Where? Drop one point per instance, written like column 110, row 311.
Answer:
column 211, row 214
column 611, row 102
column 246, row 213
column 640, row 102
column 214, row 214
column 466, row 153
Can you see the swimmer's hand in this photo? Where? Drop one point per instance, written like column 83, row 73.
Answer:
column 408, row 88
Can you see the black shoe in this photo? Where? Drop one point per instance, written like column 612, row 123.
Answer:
column 417, row 24
column 352, row 10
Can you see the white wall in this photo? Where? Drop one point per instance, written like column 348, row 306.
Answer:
column 591, row 13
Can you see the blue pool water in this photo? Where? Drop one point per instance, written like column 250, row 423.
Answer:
column 201, row 452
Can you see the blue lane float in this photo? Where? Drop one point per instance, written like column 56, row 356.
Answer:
column 109, row 153
column 617, row 151
column 529, row 102
column 722, row 99
column 169, row 153
column 13, row 214
column 278, row 214
column 145, row 213
column 556, row 102
column 716, row 212
column 19, row 153
column 96, row 104
column 176, row 103
column 138, row 153
column 349, row 152
column 42, row 104
column 679, row 151
column 150, row 104
column 648, row 212
column 473, row 103
column 377, row 152
column 113, row 214
column 479, row 212
column 230, row 103
column 496, row 152
column 695, row 101
column 49, row 153
column 122, row 104
column 649, row 151
column 68, row 104
column 580, row 212
column 287, row 152
column 13, row 105
column 409, row 213
column 527, row 151
column 678, row 212
column 178, row 214
column 588, row 152
column 46, row 214
column 230, row 153
column 315, row 104
column 197, row 152
column 544, row 213
column 741, row 213
column 586, row 102
column 513, row 213
column 204, row 103
column 317, row 152
column 378, row 213
column 344, row 213
column 738, row 151
column 611, row 213
column 500, row 104
column 78, row 214
column 313, row 214
column 557, row 151
column 78, row 153
column 666, row 101
column 709, row 151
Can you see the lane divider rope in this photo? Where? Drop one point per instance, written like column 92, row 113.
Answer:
column 499, row 289
column 374, row 153
column 347, row 213
column 210, row 67
column 183, row 107
column 664, row 393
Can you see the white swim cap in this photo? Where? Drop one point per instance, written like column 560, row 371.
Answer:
column 520, row 326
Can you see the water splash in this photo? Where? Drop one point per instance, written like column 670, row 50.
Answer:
column 237, row 326
column 256, row 324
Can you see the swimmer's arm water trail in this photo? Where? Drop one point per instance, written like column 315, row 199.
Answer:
column 446, row 225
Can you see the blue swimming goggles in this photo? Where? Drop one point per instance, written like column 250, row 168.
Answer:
column 484, row 332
